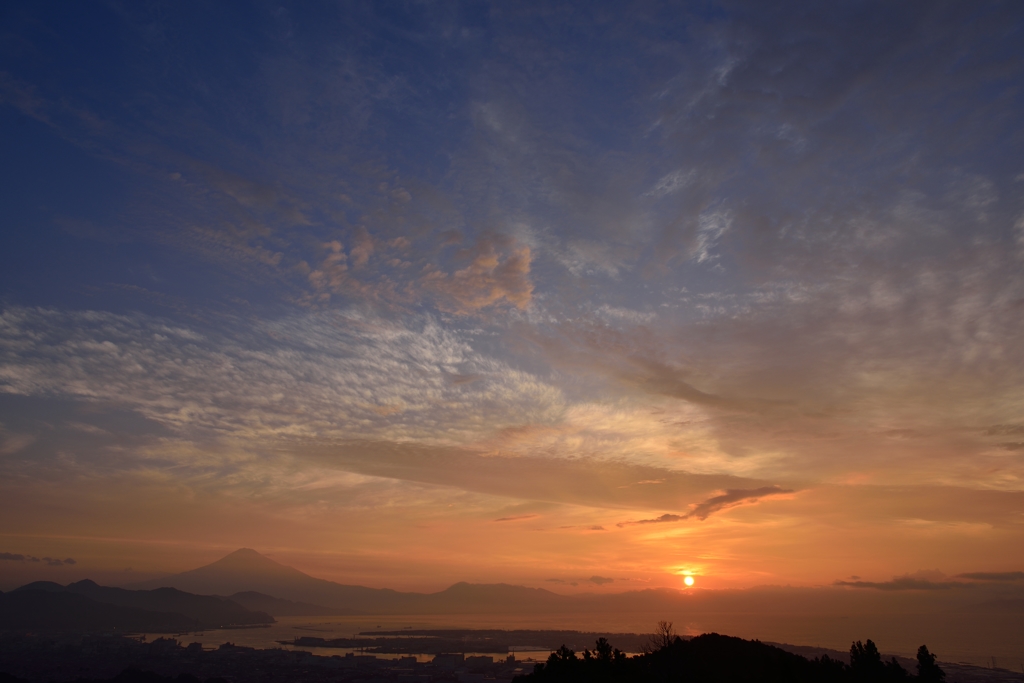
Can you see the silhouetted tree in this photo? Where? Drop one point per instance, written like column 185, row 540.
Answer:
column 895, row 672
column 927, row 670
column 866, row 664
column 604, row 664
column 603, row 650
column 663, row 636
column 828, row 669
column 559, row 664
column 713, row 658
column 562, row 655
column 866, row 661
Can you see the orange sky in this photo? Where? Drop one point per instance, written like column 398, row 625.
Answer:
column 569, row 299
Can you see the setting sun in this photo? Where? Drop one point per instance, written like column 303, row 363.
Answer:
column 511, row 317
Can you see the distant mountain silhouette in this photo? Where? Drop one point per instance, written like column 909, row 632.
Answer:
column 278, row 607
column 87, row 606
column 471, row 598
column 207, row 609
column 223, row 576
column 48, row 586
column 246, row 570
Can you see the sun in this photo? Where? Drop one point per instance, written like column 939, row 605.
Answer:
column 688, row 580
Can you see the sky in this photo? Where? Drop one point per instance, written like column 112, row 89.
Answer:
column 583, row 296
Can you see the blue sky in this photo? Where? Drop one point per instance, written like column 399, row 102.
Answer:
column 351, row 275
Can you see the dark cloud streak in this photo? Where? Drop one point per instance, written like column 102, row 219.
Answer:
column 584, row 481
column 904, row 584
column 516, row 518
column 51, row 561
column 731, row 498
column 992, row 576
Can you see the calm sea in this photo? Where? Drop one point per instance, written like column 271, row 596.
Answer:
column 974, row 639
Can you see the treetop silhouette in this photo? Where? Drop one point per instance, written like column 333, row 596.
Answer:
column 714, row 658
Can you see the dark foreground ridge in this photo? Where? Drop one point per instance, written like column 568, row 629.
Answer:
column 713, row 657
column 476, row 641
column 710, row 658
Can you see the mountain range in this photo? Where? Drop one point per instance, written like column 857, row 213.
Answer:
column 260, row 583
column 87, row 606
column 247, row 571
column 279, row 607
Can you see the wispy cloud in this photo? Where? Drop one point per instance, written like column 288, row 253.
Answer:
column 992, row 576
column 516, row 518
column 496, row 271
column 473, row 274
column 730, row 499
column 671, row 183
column 905, row 584
column 667, row 517
column 330, row 368
column 51, row 561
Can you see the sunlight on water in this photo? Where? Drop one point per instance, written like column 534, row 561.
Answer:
column 973, row 639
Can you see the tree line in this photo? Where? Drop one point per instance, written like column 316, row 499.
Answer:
column 713, row 658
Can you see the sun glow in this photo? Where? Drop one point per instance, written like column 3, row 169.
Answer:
column 688, row 580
